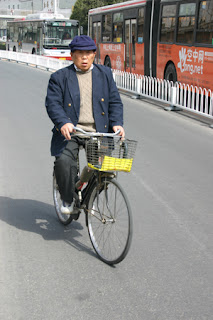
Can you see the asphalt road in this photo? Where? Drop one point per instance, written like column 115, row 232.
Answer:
column 48, row 271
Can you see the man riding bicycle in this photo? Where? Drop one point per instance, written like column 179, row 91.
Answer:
column 82, row 95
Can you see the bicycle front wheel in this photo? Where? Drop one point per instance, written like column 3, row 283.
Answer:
column 64, row 218
column 109, row 221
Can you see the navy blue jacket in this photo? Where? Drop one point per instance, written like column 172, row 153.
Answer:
column 63, row 102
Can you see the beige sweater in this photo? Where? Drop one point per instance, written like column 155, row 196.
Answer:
column 86, row 120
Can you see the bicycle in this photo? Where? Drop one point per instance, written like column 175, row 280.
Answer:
column 105, row 203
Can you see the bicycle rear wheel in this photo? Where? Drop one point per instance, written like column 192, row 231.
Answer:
column 64, row 218
column 109, row 221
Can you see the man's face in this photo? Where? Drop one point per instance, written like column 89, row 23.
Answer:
column 83, row 59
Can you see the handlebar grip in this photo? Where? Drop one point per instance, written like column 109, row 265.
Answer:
column 79, row 129
column 117, row 132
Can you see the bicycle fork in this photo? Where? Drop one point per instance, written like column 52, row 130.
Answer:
column 104, row 213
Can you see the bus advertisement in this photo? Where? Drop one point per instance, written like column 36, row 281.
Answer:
column 167, row 39
column 42, row 34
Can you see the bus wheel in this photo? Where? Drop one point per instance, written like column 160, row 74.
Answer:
column 107, row 62
column 14, row 49
column 170, row 73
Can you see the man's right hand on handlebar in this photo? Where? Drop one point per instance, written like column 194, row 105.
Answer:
column 121, row 129
column 66, row 129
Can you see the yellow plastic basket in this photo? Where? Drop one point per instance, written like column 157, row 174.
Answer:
column 110, row 153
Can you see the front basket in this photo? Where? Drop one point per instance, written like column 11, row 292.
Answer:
column 110, row 153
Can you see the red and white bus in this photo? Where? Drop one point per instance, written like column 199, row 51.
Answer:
column 167, row 39
column 43, row 34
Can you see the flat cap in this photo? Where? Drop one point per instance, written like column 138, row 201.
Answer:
column 82, row 43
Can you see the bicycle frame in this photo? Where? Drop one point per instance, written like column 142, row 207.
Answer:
column 84, row 195
column 105, row 203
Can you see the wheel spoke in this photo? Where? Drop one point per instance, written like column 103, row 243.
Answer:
column 110, row 229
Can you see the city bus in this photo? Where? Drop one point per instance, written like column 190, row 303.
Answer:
column 43, row 34
column 167, row 39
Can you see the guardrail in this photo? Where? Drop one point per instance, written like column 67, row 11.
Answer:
column 176, row 95
column 33, row 59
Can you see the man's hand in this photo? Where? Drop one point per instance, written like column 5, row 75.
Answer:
column 121, row 133
column 66, row 129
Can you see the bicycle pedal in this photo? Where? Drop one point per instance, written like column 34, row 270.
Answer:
column 75, row 216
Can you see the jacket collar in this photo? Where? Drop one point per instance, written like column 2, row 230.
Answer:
column 74, row 88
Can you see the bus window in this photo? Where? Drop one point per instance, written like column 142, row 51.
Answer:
column 205, row 23
column 16, row 34
column 186, row 23
column 127, row 42
column 117, row 27
column 133, row 35
column 25, row 33
column 107, row 28
column 20, row 34
column 90, row 27
column 34, row 32
column 11, row 34
column 167, row 30
column 29, row 33
column 130, row 36
column 96, row 35
column 140, row 25
column 8, row 34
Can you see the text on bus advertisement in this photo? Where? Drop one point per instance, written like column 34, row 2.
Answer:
column 191, row 60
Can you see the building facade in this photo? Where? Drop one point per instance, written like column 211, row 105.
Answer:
column 24, row 7
column 62, row 6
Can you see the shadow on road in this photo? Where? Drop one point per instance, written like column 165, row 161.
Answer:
column 39, row 217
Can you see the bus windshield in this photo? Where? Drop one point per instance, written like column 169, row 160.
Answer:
column 59, row 34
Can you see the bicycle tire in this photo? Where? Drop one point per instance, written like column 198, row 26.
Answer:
column 64, row 218
column 111, row 237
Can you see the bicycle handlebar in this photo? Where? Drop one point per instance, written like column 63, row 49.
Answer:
column 96, row 134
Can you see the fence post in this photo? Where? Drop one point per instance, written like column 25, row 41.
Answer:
column 211, row 108
column 173, row 99
column 138, row 87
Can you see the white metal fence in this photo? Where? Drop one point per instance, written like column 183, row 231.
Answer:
column 176, row 95
column 33, row 59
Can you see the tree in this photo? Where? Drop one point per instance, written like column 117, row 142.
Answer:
column 81, row 8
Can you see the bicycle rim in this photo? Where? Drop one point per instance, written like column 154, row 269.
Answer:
column 110, row 222
column 64, row 218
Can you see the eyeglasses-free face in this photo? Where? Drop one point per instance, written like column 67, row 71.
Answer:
column 83, row 59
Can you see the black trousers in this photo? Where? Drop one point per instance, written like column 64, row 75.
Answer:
column 65, row 168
